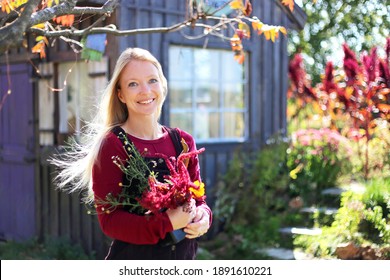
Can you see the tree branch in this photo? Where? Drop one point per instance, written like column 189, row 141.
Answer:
column 110, row 29
column 12, row 34
column 67, row 8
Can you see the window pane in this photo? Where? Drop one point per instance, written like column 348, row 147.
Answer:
column 206, row 64
column 234, row 96
column 207, row 94
column 182, row 120
column 233, row 125
column 215, row 125
column 207, row 125
column 180, row 63
column 180, row 94
column 231, row 70
column 80, row 95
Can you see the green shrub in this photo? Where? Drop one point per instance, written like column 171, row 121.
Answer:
column 317, row 158
column 52, row 249
column 252, row 200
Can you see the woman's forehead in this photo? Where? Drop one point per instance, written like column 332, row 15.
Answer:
column 138, row 69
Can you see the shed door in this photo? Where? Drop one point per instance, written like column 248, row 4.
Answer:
column 17, row 157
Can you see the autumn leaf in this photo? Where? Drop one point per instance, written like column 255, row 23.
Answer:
column 42, row 38
column 39, row 26
column 39, row 48
column 257, row 25
column 50, row 2
column 236, row 5
column 66, row 20
column 289, row 3
column 243, row 30
column 235, row 43
column 239, row 57
column 283, row 30
column 248, row 8
column 10, row 5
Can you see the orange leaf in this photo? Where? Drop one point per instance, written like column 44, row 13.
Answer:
column 66, row 20
column 267, row 34
column 236, row 4
column 239, row 57
column 248, row 8
column 7, row 6
column 273, row 34
column 257, row 25
column 39, row 48
column 283, row 30
column 289, row 3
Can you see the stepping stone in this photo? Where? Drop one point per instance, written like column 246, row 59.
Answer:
column 285, row 254
column 324, row 210
column 355, row 187
column 303, row 231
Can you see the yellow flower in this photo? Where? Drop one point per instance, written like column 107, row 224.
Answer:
column 294, row 172
column 198, row 193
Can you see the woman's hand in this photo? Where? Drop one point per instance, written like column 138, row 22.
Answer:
column 183, row 215
column 199, row 225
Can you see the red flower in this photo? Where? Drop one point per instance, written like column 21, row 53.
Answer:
column 177, row 188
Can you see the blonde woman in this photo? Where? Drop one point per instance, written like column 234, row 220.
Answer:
column 132, row 104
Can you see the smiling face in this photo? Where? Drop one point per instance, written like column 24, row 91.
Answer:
column 140, row 88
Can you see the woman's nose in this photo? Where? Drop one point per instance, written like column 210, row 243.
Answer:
column 145, row 88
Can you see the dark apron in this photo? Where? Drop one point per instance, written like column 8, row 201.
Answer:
column 166, row 249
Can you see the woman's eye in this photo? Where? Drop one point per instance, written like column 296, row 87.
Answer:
column 132, row 84
column 152, row 81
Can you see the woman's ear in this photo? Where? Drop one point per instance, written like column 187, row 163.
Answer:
column 119, row 93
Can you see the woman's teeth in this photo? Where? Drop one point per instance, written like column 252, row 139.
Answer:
column 146, row 101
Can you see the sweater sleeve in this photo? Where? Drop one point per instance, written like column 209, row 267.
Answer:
column 118, row 223
column 194, row 169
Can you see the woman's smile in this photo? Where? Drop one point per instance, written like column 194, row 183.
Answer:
column 147, row 101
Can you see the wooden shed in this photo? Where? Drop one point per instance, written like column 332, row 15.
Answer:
column 225, row 105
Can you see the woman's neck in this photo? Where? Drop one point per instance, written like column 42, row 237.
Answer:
column 146, row 129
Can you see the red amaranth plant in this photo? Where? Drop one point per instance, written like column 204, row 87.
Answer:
column 176, row 190
column 361, row 91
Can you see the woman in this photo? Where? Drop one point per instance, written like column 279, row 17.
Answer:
column 132, row 105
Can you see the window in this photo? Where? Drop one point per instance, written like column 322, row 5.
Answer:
column 81, row 85
column 207, row 94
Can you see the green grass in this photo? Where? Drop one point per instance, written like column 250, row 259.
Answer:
column 52, row 249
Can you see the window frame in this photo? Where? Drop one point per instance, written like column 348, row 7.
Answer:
column 220, row 110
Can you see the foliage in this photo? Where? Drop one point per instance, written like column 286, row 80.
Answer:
column 361, row 23
column 377, row 163
column 52, row 249
column 354, row 100
column 253, row 200
column 361, row 220
column 316, row 159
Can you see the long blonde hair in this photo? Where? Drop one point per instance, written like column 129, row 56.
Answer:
column 76, row 166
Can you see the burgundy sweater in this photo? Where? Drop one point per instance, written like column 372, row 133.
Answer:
column 106, row 176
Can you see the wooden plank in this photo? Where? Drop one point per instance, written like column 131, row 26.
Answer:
column 54, row 222
column 64, row 213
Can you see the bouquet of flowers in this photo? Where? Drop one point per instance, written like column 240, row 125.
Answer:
column 144, row 193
